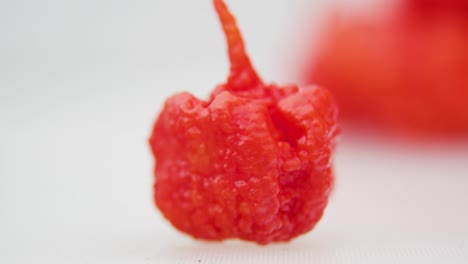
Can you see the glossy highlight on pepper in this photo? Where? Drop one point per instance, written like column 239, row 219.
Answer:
column 253, row 162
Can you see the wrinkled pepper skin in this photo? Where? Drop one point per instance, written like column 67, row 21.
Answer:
column 252, row 162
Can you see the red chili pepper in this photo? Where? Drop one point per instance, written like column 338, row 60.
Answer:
column 407, row 73
column 253, row 162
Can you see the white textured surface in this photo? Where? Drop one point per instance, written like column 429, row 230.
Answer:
column 80, row 85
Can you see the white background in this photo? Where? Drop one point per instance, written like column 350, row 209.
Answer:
column 81, row 83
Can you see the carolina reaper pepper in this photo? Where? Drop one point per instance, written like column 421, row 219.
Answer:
column 252, row 162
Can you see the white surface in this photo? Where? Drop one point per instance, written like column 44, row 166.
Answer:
column 80, row 85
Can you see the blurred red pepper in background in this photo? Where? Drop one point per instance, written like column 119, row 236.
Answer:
column 407, row 72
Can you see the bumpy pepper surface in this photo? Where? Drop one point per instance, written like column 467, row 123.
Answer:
column 406, row 73
column 253, row 162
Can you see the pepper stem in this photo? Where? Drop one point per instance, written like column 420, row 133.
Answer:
column 242, row 75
